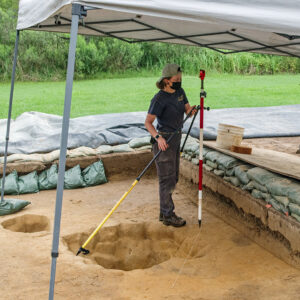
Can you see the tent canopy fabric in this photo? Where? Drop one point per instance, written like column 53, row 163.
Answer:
column 262, row 26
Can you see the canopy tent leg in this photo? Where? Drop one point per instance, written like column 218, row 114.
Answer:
column 9, row 111
column 77, row 12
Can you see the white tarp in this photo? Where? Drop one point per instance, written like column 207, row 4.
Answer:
column 225, row 24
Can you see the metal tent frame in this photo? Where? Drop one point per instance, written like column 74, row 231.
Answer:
column 78, row 13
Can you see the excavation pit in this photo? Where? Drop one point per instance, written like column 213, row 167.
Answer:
column 27, row 223
column 131, row 246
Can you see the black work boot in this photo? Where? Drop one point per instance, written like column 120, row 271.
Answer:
column 173, row 220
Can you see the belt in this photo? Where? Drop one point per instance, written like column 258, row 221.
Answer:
column 169, row 133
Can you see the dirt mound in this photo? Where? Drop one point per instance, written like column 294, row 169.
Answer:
column 133, row 246
column 27, row 223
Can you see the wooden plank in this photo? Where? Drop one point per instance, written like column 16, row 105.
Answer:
column 274, row 161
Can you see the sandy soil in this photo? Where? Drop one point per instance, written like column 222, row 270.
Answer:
column 282, row 144
column 214, row 262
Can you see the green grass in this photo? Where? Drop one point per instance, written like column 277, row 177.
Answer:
column 134, row 93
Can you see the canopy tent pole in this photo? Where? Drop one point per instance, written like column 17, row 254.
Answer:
column 78, row 11
column 9, row 111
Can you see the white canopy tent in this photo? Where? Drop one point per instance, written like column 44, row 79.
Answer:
column 262, row 26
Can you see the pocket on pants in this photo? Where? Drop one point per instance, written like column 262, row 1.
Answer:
column 165, row 168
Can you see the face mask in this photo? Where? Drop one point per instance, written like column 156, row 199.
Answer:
column 176, row 85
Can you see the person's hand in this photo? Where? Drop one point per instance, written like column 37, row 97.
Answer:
column 162, row 144
column 192, row 109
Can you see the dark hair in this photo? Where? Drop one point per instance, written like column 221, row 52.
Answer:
column 161, row 85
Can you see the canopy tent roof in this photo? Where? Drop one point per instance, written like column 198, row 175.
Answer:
column 262, row 26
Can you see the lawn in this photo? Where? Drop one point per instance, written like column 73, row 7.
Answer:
column 134, row 94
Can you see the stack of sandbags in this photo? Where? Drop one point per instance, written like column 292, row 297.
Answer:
column 281, row 193
column 46, row 180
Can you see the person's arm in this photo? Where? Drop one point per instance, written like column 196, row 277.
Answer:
column 188, row 108
column 162, row 144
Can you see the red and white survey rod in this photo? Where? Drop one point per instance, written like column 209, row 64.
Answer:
column 202, row 96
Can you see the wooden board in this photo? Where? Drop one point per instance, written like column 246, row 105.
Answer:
column 278, row 162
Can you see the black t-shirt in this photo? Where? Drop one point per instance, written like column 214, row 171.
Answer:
column 169, row 109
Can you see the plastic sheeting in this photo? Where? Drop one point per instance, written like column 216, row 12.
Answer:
column 34, row 132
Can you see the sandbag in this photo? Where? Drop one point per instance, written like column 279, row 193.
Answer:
column 74, row 179
column 219, row 172
column 294, row 193
column 260, row 187
column 144, row 148
column 29, row 183
column 94, row 174
column 296, row 217
column 50, row 157
column 227, row 161
column 241, row 173
column 11, row 184
column 278, row 206
column 195, row 161
column 207, row 168
column 139, row 142
column 235, row 181
column 122, row 148
column 10, row 206
column 256, row 194
column 229, row 172
column 211, row 164
column 213, row 156
column 81, row 151
column 249, row 186
column 294, row 208
column 48, row 178
column 283, row 200
column 261, row 176
column 279, row 187
column 104, row 149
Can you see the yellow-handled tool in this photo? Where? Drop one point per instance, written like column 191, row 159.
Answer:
column 82, row 248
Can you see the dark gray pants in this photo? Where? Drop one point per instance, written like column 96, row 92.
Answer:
column 167, row 166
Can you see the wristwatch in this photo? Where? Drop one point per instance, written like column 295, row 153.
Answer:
column 157, row 136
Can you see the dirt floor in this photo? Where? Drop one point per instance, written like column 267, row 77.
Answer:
column 135, row 256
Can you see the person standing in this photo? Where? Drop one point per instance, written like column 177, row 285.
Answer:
column 168, row 107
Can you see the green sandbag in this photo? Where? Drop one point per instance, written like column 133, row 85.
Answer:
column 256, row 194
column 261, row 176
column 296, row 217
column 73, row 178
column 235, row 181
column 241, row 173
column 211, row 164
column 294, row 193
column 227, row 161
column 206, row 150
column 283, row 200
column 260, row 187
column 139, row 142
column 230, row 172
column 28, row 184
column 294, row 208
column 249, row 186
column 207, row 168
column 48, row 178
column 220, row 167
column 279, row 187
column 278, row 206
column 11, row 184
column 10, row 206
column 219, row 172
column 266, row 196
column 213, row 156
column 94, row 174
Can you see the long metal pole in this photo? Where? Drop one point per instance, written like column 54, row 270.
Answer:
column 9, row 110
column 63, row 149
column 202, row 95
